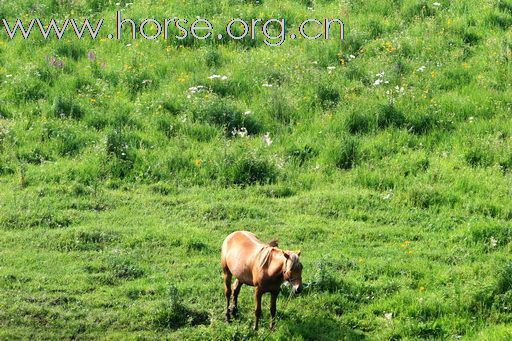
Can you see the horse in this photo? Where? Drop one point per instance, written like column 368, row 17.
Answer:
column 257, row 264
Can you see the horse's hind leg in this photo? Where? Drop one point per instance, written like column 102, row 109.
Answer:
column 236, row 290
column 227, row 290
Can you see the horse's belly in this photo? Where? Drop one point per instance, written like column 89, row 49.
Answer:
column 241, row 271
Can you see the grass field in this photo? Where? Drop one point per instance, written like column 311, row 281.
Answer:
column 388, row 162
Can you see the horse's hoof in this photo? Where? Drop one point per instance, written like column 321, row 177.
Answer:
column 234, row 312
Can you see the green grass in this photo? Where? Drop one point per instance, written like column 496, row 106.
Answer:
column 391, row 172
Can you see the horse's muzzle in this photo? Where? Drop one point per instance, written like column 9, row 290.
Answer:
column 297, row 289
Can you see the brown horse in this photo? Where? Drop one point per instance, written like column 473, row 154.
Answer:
column 257, row 264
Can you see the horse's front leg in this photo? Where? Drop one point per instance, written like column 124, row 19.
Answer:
column 257, row 311
column 273, row 309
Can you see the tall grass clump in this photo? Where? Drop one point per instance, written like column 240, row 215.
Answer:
column 66, row 108
column 346, row 154
column 121, row 153
column 175, row 314
column 248, row 168
column 229, row 117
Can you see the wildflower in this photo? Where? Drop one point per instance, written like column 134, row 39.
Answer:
column 421, row 68
column 350, row 57
column 247, row 113
column 422, row 289
column 196, row 89
column 197, row 163
column 91, row 56
column 388, row 316
column 388, row 196
column 243, row 132
column 266, row 85
column 222, row 78
column 494, row 242
column 331, row 68
column 405, row 244
column 8, row 76
column 437, row 4
column 266, row 139
column 58, row 63
column 377, row 82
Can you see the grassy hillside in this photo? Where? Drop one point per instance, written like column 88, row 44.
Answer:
column 123, row 167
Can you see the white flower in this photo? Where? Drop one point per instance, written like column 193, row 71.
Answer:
column 388, row 196
column 243, row 132
column 388, row 316
column 377, row 82
column 437, row 4
column 247, row 113
column 381, row 75
column 351, row 57
column 494, row 242
column 222, row 78
column 8, row 76
column 195, row 89
column 421, row 68
column 331, row 67
column 266, row 139
column 266, row 85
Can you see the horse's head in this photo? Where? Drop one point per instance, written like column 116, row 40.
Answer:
column 293, row 270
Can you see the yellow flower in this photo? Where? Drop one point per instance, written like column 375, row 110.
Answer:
column 405, row 244
column 422, row 289
column 465, row 65
column 433, row 74
column 198, row 163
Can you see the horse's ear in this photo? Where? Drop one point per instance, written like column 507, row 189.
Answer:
column 273, row 243
column 298, row 253
column 286, row 254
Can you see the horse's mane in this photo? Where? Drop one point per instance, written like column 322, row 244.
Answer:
column 273, row 243
column 267, row 253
